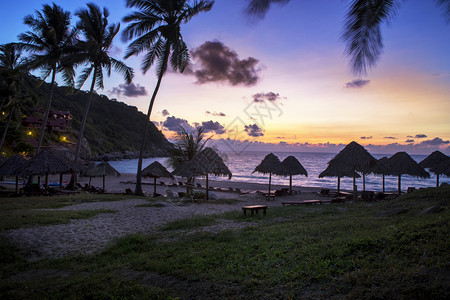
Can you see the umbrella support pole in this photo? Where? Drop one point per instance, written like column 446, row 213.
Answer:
column 364, row 182
column 399, row 184
column 290, row 184
column 60, row 180
column 103, row 183
column 270, row 181
column 207, row 187
column 437, row 180
column 154, row 187
column 383, row 184
column 355, row 192
column 339, row 186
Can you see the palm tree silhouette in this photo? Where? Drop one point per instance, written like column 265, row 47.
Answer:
column 362, row 34
column 13, row 70
column 49, row 41
column 156, row 26
column 94, row 51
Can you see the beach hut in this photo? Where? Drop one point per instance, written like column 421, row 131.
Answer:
column 156, row 170
column 204, row 163
column 49, row 162
column 102, row 169
column 353, row 158
column 402, row 164
column 433, row 161
column 291, row 166
column 333, row 171
column 270, row 165
column 13, row 166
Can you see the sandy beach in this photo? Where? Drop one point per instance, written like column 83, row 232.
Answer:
column 92, row 235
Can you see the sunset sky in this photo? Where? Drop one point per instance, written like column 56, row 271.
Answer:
column 290, row 87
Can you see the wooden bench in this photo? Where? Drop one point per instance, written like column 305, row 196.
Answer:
column 301, row 202
column 254, row 208
column 270, row 196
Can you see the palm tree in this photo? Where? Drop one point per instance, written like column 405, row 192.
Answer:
column 50, row 40
column 362, row 33
column 94, row 51
column 13, row 70
column 156, row 26
column 187, row 146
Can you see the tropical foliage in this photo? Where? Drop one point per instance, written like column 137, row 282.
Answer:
column 362, row 33
column 50, row 41
column 156, row 27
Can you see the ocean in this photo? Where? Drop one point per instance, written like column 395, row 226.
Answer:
column 242, row 165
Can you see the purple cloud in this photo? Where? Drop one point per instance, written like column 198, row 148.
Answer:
column 357, row 83
column 390, row 137
column 435, row 142
column 270, row 96
column 165, row 113
column 216, row 114
column 409, row 141
column 366, row 137
column 216, row 127
column 420, row 136
column 129, row 90
column 173, row 124
column 253, row 130
column 218, row 63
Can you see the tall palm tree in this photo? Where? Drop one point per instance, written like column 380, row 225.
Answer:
column 156, row 26
column 51, row 39
column 13, row 70
column 94, row 51
column 362, row 34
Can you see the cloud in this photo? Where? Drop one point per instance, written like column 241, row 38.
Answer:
column 216, row 127
column 420, row 136
column 270, row 96
column 253, row 130
column 173, row 124
column 165, row 113
column 215, row 62
column 216, row 114
column 409, row 141
column 390, row 137
column 366, row 137
column 357, row 83
column 129, row 90
column 434, row 142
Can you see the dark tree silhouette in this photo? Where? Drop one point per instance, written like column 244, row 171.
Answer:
column 156, row 27
column 51, row 39
column 362, row 33
column 94, row 51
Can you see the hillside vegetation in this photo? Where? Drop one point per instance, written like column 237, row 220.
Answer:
column 112, row 127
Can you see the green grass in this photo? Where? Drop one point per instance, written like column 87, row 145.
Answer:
column 330, row 251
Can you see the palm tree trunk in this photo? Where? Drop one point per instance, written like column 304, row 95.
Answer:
column 74, row 179
column 6, row 129
column 138, row 190
column 49, row 105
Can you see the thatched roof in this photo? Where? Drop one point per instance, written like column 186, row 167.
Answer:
column 156, row 170
column 270, row 164
column 101, row 169
column 442, row 168
column 48, row 161
column 205, row 162
column 433, row 160
column 13, row 166
column 380, row 168
column 333, row 171
column 291, row 166
column 354, row 157
column 402, row 164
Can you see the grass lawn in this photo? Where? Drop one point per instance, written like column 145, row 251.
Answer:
column 389, row 249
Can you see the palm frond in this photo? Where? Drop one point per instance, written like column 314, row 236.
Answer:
column 445, row 6
column 259, row 8
column 362, row 33
column 84, row 76
column 123, row 69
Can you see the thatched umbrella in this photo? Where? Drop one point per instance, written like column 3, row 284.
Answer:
column 49, row 162
column 101, row 170
column 270, row 164
column 156, row 170
column 353, row 158
column 333, row 171
column 13, row 167
column 402, row 164
column 204, row 163
column 291, row 166
column 442, row 168
column 433, row 161
column 382, row 168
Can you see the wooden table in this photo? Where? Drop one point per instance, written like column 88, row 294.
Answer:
column 254, row 208
column 301, row 202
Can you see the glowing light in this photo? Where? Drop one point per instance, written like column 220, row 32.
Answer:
column 29, row 133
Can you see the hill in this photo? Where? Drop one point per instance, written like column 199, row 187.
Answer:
column 113, row 128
